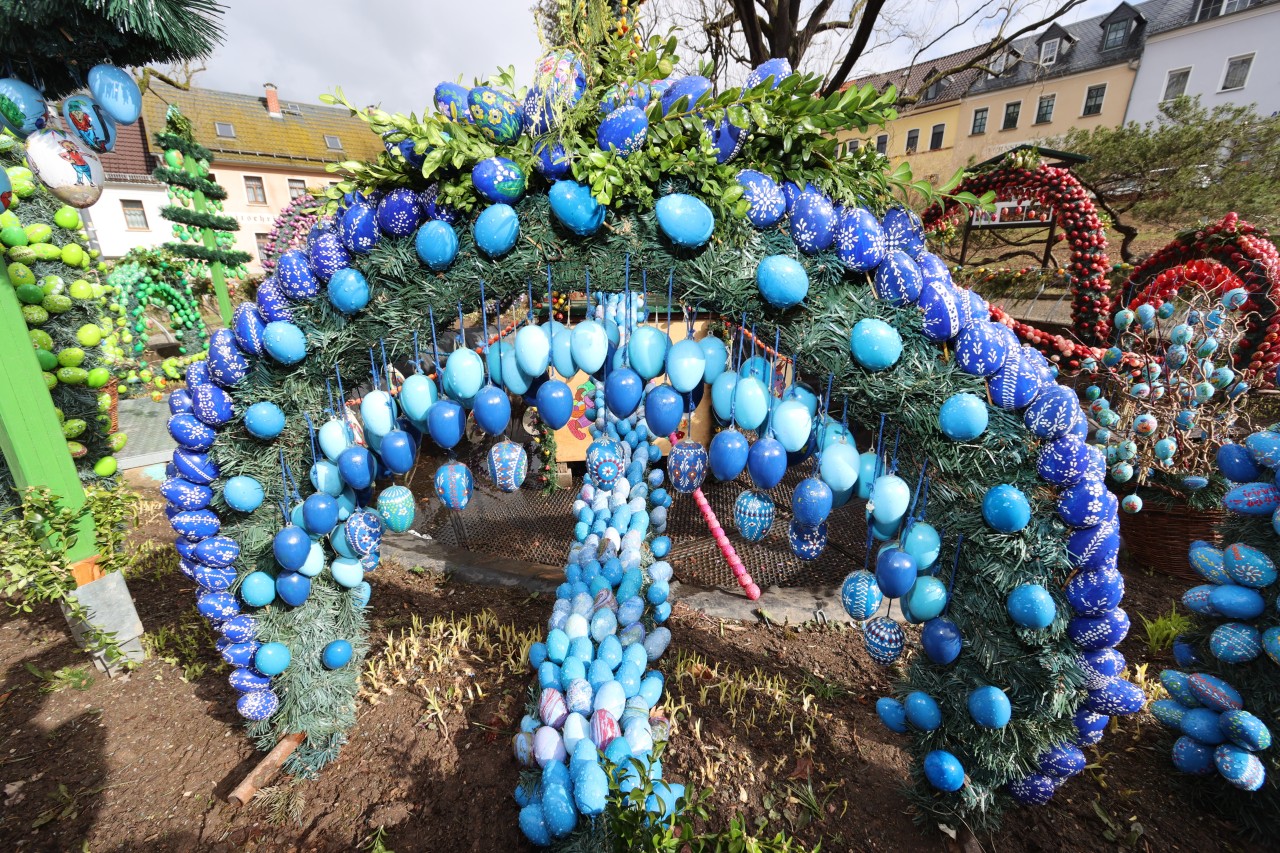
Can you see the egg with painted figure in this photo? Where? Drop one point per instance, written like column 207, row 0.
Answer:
column 499, row 180
column 782, row 281
column 257, row 705
column 496, row 114
column 496, row 230
column 624, row 130
column 23, row 109
column 90, row 122
column 898, row 279
column 813, row 222
column 762, row 193
column 212, row 578
column 1192, row 757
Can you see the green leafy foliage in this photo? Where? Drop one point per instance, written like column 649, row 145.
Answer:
column 1164, row 629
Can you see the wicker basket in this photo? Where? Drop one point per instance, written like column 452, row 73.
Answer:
column 1160, row 536
column 112, row 389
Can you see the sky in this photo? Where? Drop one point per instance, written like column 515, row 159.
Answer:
column 393, row 53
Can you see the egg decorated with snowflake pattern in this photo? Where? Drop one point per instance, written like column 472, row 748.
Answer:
column 903, row 231
column 358, row 228
column 813, row 222
column 765, row 197
column 860, row 240
column 898, row 279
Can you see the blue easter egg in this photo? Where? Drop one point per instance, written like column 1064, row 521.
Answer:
column 1240, row 767
column 437, row 245
column 291, row 547
column 883, row 639
column 492, row 410
column 453, row 484
column 1006, row 508
column 553, row 160
column 348, row 291
column 982, row 348
column 753, row 513
column 772, row 70
column 211, row 405
column 941, row 641
column 782, row 281
column 499, row 180
column 663, row 409
column 989, row 707
column 898, row 279
column 689, row 89
column 319, row 514
column 813, row 222
column 195, row 466
column 1092, row 633
column 358, row 228
column 25, row 107
column 244, row 680
column 687, row 222
column 271, row 302
column 1237, row 465
column 811, row 501
column 875, row 344
column 922, row 711
column 257, row 705
column 1086, row 503
column 258, row 589
column 226, row 363
column 555, row 403
column 284, row 342
column 264, row 420
column 895, row 572
column 687, row 465
column 1096, row 592
column 859, row 239
column 622, row 391
column 272, row 658
column 1030, row 605
column 589, row 346
column 243, row 493
column 942, row 315
column 1054, row 412
column 396, row 506
column 91, row 123
column 496, row 114
column 1235, row 602
column 926, row 599
column 686, row 365
column 399, row 212
column 963, row 417
column 508, row 465
column 326, row 254
column 190, row 433
column 623, row 130
column 1094, row 547
column 762, row 193
column 1214, row 693
column 496, row 229
column 1245, row 730
column 903, row 231
column 1036, row 789
column 1062, row 761
column 1089, row 727
column 1116, row 696
column 445, row 423
column 1235, row 642
column 1248, row 566
column 463, row 374
column 117, row 92
column 1253, row 499
column 861, row 595
column 576, row 208
column 767, row 462
column 1064, row 462
column 336, row 654
column 247, row 327
column 294, row 276
column 726, row 138
column 356, row 465
column 185, row 494
column 944, row 771
column 893, row 714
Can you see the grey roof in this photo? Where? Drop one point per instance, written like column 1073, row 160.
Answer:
column 908, row 80
column 1178, row 13
column 1084, row 54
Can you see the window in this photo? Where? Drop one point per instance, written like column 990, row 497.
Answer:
column 1049, row 52
column 1237, row 72
column 1213, row 8
column 979, row 121
column 225, row 129
column 1175, row 85
column 261, row 240
column 1093, row 100
column 935, row 137
column 853, row 145
column 882, row 143
column 332, row 142
column 1011, row 113
column 1044, row 109
column 1114, row 35
column 997, row 64
column 135, row 218
column 935, row 89
column 913, row 141
column 254, row 191
column 297, row 188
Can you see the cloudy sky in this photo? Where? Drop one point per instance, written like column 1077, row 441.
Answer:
column 394, row 52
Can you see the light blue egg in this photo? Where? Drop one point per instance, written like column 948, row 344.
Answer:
column 685, row 220
column 437, row 244
column 875, row 344
column 782, row 281
column 576, row 208
column 589, row 346
column 686, row 365
column 117, row 92
column 496, row 229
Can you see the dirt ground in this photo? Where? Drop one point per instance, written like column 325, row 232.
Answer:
column 779, row 723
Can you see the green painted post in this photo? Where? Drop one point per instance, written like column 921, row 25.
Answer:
column 216, row 273
column 30, row 436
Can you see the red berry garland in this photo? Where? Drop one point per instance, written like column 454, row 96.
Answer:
column 1052, row 186
column 1228, row 254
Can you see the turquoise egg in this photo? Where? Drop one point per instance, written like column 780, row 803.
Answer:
column 533, row 350
column 1248, row 566
column 576, row 208
column 417, row 395
column 751, row 403
column 463, row 374
column 589, row 346
column 875, row 344
column 723, row 394
column 499, row 180
column 436, row 244
column 496, row 229
column 782, row 281
column 922, row 711
column 922, row 541
column 685, row 220
column 1241, row 768
column 495, row 113
column 1235, row 642
column 647, row 351
column 926, row 599
column 792, row 424
column 396, row 506
column 284, row 342
column 685, row 365
column 1245, row 730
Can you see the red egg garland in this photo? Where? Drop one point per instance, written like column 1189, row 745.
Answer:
column 1055, row 187
column 1228, row 254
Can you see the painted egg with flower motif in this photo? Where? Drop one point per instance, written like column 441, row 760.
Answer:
column 186, row 494
column 499, row 180
column 294, row 277
column 807, row 541
column 1095, row 593
column 1214, row 693
column 226, row 363
column 982, row 349
column 1054, row 412
column 247, row 327
column 1037, row 789
column 364, row 531
column 687, row 465
column 272, row 304
column 1235, row 642
column 1253, row 499
column 861, row 595
column 399, row 212
column 1064, row 461
column 1240, row 767
column 217, row 606
column 1196, row 599
column 1087, row 503
column 1117, row 696
column 495, row 113
column 190, row 433
column 396, row 506
column 860, row 240
column 453, row 485
column 690, row 88
column 508, row 465
column 753, row 514
column 624, row 130
column 775, row 69
column 898, row 279
column 358, row 228
column 903, row 231
column 211, row 405
column 1099, row 632
column 451, row 101
column 1017, row 384
column 621, row 94
column 813, row 222
column 257, row 705
column 1245, row 730
column 1248, row 566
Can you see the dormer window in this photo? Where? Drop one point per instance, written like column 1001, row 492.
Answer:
column 997, row 65
column 935, row 88
column 1049, row 51
column 1115, row 35
column 1207, row 9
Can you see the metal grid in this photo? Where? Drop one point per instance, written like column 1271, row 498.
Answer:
column 531, row 526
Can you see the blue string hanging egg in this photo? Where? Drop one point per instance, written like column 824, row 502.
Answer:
column 397, row 508
column 753, row 514
column 663, row 409
column 807, row 541
column 884, row 640
column 508, row 465
column 555, row 403
column 453, row 485
column 727, row 455
column 861, row 595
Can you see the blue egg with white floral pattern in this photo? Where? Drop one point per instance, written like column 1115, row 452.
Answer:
column 499, row 180
column 257, row 705
column 326, row 254
column 813, row 222
column 293, row 275
column 218, row 551
column 226, row 363
column 553, row 160
column 435, row 208
column 636, row 94
column 765, row 197
column 940, row 303
column 777, row 69
column 496, row 230
column 1036, row 789
column 496, row 114
column 211, row 405
column 358, row 228
column 217, row 606
column 247, row 327
column 982, row 349
column 753, row 514
column 1087, row 503
column 190, row 432
column 1016, row 384
column 1096, row 592
column 399, row 212
column 898, row 279
column 903, row 231
column 245, row 680
column 624, row 130
column 807, row 541
column 860, row 241
column 1064, row 461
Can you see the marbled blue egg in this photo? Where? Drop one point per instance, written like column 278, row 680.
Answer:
column 765, row 197
column 624, row 130
column 499, row 180
column 898, row 279
column 813, row 222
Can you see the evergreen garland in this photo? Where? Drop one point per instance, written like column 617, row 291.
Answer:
column 177, row 177
column 196, row 219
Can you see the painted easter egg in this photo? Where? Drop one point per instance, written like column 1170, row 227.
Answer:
column 496, row 114
column 453, row 484
column 217, row 551
column 1054, row 412
column 875, row 344
column 1253, row 499
column 217, row 606
column 508, row 465
column 396, row 506
column 813, row 222
column 1036, row 789
column 226, row 364
column 1031, row 606
column 496, row 229
column 753, row 514
column 685, row 220
column 624, row 130
column 1092, row 633
column 782, row 281
column 859, row 239
column 1062, row 761
column 211, row 405
column 1245, row 730
column 898, row 279
column 185, row 494
column 772, row 70
column 499, row 180
column 1094, row 547
column 72, row 172
column 358, row 228
column 1168, row 712
column 1086, row 503
column 247, row 327
column 1089, row 727
column 271, row 301
column 884, row 640
column 399, row 212
column 117, row 92
column 1207, row 561
column 451, row 101
column 1241, row 768
column 689, row 89
column 326, row 254
column 1117, row 696
column 190, row 433
column 861, row 595
column 726, row 138
column 941, row 309
column 1095, row 593
column 1101, row 666
column 24, row 108
column 1214, row 693
column 1248, row 566
column 1065, row 461
column 294, row 276
column 88, row 121
column 1017, row 383
column 765, row 197
column 1235, row 642
column 687, row 465
column 903, row 231
column 1237, row 464
column 1193, row 757
column 195, row 466
column 982, row 348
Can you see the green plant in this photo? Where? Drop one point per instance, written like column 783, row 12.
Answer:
column 77, row 677
column 377, row 842
column 1116, row 832
column 283, row 803
column 187, row 646
column 1162, row 631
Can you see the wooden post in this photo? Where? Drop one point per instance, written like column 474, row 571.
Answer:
column 266, row 768
column 30, row 436
column 216, row 273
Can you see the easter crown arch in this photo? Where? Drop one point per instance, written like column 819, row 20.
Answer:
column 597, row 171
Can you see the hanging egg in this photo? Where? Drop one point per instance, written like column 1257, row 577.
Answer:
column 70, row 171
column 663, row 409
column 508, row 465
column 685, row 220
column 884, row 640
column 24, row 110
column 92, row 124
column 811, row 502
column 647, row 350
column 554, row 403
column 117, row 92
column 686, row 365
column 499, row 180
column 807, row 541
column 941, row 641
column 687, row 465
column 750, row 402
column 454, row 483
column 753, row 513
column 622, row 391
column 396, row 507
